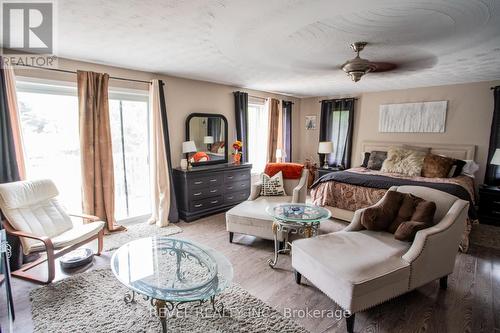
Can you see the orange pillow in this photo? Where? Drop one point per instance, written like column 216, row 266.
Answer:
column 289, row 170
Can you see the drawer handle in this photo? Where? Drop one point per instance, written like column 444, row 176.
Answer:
column 230, row 198
column 197, row 194
column 229, row 187
column 496, row 212
column 243, row 185
column 198, row 205
column 198, row 182
column 213, row 180
column 230, row 177
column 213, row 191
column 496, row 202
column 214, row 202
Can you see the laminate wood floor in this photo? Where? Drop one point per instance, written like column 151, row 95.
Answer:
column 471, row 303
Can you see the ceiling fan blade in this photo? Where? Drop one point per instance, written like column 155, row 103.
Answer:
column 384, row 67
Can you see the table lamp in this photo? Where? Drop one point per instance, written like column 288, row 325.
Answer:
column 496, row 159
column 188, row 147
column 208, row 140
column 324, row 148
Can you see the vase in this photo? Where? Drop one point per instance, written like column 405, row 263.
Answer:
column 236, row 158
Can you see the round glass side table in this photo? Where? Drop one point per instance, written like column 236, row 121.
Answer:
column 294, row 218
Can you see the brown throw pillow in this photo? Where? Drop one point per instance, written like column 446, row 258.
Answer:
column 407, row 230
column 380, row 218
column 406, row 211
column 436, row 166
column 424, row 212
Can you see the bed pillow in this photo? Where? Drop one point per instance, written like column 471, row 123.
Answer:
column 404, row 161
column 426, row 150
column 272, row 186
column 366, row 158
column 456, row 169
column 376, row 159
column 470, row 168
column 436, row 166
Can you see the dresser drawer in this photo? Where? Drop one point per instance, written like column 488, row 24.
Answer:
column 201, row 182
column 236, row 196
column 202, row 193
column 207, row 203
column 236, row 186
column 234, row 176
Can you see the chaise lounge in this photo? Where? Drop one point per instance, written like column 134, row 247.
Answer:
column 359, row 269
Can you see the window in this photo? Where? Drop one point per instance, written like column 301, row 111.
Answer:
column 258, row 118
column 130, row 136
column 49, row 122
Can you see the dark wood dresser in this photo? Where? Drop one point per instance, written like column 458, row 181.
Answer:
column 489, row 205
column 205, row 190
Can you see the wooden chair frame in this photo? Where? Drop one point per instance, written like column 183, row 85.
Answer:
column 51, row 254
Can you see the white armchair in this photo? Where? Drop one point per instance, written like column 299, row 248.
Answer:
column 250, row 217
column 359, row 269
column 34, row 214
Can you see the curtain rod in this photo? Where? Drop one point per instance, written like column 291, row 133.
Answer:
column 74, row 72
column 327, row 100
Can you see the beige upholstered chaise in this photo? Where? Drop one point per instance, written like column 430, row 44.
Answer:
column 359, row 269
column 250, row 217
column 35, row 215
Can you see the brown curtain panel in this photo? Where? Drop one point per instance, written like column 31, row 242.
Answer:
column 275, row 130
column 96, row 148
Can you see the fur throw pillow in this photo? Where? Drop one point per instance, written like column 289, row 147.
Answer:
column 404, row 161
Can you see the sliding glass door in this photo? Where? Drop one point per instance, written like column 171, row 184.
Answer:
column 49, row 121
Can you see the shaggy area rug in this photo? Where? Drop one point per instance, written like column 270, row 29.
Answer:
column 93, row 302
column 135, row 231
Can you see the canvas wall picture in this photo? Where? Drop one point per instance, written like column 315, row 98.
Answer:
column 423, row 117
column 310, row 122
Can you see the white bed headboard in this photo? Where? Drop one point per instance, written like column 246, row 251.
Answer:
column 463, row 152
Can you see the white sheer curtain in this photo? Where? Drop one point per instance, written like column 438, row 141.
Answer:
column 258, row 118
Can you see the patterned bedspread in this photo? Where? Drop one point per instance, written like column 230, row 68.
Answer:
column 353, row 197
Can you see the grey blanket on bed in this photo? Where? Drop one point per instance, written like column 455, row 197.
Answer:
column 385, row 182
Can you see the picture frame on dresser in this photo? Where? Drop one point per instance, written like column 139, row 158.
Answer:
column 210, row 189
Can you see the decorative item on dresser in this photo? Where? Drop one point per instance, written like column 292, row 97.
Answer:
column 205, row 190
column 489, row 205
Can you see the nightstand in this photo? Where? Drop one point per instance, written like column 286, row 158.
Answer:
column 323, row 171
column 489, row 205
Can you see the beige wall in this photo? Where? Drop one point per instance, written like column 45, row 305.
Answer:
column 470, row 111
column 184, row 96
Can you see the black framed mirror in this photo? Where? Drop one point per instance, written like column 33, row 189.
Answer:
column 207, row 136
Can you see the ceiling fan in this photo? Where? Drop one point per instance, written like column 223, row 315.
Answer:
column 357, row 67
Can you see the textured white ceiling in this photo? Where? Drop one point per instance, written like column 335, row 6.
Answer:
column 288, row 46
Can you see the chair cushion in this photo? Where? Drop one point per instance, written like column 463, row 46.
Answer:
column 32, row 207
column 250, row 217
column 72, row 236
column 356, row 269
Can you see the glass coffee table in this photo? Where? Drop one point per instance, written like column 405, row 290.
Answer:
column 298, row 218
column 171, row 272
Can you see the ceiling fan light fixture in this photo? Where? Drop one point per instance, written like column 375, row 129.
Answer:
column 356, row 75
column 357, row 67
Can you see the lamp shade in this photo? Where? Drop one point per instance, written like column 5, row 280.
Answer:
column 188, row 147
column 325, row 147
column 496, row 158
column 208, row 139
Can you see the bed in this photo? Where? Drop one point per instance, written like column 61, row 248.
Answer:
column 346, row 191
